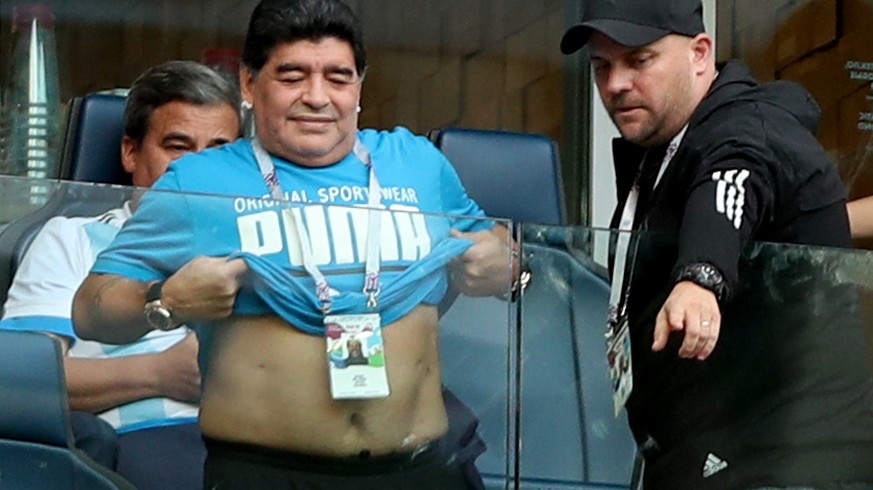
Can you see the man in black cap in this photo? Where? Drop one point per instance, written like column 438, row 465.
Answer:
column 733, row 386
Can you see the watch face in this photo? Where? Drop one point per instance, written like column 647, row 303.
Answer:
column 158, row 316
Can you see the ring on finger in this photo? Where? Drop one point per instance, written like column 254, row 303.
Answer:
column 705, row 323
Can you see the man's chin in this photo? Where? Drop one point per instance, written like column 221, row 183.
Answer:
column 631, row 127
column 316, row 154
column 634, row 134
column 311, row 143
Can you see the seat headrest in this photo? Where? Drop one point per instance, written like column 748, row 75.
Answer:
column 92, row 148
column 511, row 175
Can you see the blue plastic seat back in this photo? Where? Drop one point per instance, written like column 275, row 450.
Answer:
column 92, row 154
column 36, row 442
column 511, row 175
column 92, row 145
column 34, row 406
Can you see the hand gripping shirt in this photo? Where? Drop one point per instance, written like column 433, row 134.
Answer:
column 54, row 266
column 170, row 229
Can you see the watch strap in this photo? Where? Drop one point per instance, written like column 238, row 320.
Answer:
column 154, row 291
column 706, row 276
column 157, row 314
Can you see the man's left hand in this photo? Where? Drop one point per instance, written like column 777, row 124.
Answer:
column 485, row 268
column 694, row 310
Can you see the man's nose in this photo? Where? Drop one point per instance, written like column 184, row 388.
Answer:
column 315, row 94
column 619, row 80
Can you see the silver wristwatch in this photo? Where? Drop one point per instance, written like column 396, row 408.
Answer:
column 157, row 314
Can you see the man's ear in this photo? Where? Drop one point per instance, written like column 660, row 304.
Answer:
column 702, row 51
column 129, row 150
column 246, row 80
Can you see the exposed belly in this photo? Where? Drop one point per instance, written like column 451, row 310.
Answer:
column 267, row 384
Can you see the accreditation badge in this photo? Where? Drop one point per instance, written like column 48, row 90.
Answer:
column 618, row 356
column 356, row 356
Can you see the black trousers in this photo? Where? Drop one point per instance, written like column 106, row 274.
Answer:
column 162, row 458
column 96, row 438
column 232, row 466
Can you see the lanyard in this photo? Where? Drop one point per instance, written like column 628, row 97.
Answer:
column 622, row 242
column 372, row 286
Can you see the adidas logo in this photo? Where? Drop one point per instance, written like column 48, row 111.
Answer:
column 713, row 465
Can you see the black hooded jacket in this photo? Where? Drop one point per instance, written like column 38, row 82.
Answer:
column 765, row 129
column 749, row 168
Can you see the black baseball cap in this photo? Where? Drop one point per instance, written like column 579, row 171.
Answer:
column 635, row 23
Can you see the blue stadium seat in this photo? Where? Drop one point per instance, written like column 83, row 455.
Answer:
column 92, row 145
column 36, row 449
column 36, row 443
column 570, row 438
column 92, row 154
column 511, row 175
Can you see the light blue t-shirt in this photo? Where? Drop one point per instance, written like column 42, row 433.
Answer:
column 169, row 229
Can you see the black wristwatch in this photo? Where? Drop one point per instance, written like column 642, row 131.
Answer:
column 157, row 314
column 706, row 276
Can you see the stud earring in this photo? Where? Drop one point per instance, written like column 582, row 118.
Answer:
column 358, row 109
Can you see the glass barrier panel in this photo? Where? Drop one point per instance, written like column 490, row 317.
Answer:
column 408, row 368
column 22, row 197
column 789, row 381
column 570, row 437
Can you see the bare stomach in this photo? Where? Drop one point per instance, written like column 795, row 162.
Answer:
column 267, row 384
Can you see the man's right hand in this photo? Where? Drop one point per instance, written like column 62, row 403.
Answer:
column 694, row 310
column 204, row 289
column 95, row 385
column 178, row 375
column 109, row 307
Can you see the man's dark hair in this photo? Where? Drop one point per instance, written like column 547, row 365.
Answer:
column 285, row 21
column 174, row 81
